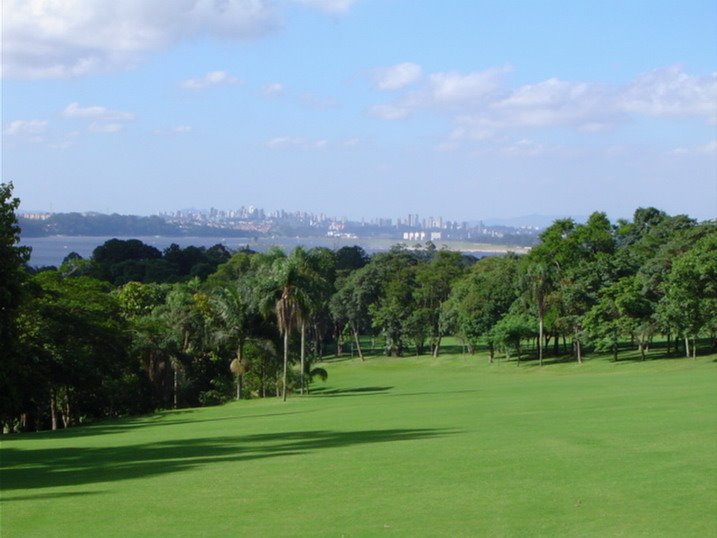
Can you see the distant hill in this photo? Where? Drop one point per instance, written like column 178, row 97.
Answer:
column 97, row 224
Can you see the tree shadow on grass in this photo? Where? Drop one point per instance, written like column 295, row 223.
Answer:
column 48, row 496
column 62, row 467
column 626, row 354
column 359, row 391
column 113, row 425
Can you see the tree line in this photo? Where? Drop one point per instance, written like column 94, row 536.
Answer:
column 133, row 329
column 98, row 224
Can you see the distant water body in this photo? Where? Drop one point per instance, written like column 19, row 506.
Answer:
column 53, row 249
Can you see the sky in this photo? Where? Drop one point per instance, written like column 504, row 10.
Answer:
column 465, row 109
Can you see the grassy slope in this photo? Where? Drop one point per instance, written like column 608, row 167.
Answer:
column 451, row 446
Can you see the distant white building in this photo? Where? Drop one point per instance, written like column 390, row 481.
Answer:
column 414, row 236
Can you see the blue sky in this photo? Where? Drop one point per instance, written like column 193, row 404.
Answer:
column 465, row 109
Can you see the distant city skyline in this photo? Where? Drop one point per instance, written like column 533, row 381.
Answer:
column 362, row 108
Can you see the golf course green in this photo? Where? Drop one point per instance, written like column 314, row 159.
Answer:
column 451, row 446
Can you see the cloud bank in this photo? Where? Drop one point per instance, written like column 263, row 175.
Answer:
column 482, row 105
column 70, row 38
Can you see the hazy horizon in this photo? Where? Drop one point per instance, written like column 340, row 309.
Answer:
column 361, row 108
column 534, row 219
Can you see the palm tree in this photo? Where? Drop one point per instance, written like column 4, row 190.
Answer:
column 288, row 299
column 232, row 311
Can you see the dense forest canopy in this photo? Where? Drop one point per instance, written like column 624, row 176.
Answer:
column 133, row 329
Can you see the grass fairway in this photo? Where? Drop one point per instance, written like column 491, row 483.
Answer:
column 408, row 447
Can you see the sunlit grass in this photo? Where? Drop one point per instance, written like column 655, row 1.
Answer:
column 448, row 446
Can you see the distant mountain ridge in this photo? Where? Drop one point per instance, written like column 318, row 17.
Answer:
column 98, row 224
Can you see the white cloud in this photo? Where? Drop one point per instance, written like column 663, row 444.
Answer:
column 74, row 110
column 273, row 89
column 70, row 38
column 397, row 76
column 105, row 128
column 25, row 128
column 445, row 91
column 213, row 78
column 482, row 106
column 671, row 92
column 706, row 149
column 555, row 102
column 456, row 88
column 332, row 7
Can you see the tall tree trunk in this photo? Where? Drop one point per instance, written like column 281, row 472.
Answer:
column 286, row 362
column 318, row 344
column 437, row 348
column 53, row 412
column 540, row 339
column 694, row 347
column 303, row 353
column 174, row 384
column 356, row 339
column 577, row 345
column 66, row 418
column 687, row 346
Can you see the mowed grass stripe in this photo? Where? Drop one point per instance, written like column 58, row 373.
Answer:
column 414, row 446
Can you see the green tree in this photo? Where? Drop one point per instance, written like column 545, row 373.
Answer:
column 621, row 310
column 483, row 296
column 75, row 338
column 285, row 294
column 538, row 283
column 511, row 330
column 233, row 314
column 434, row 281
column 395, row 303
column 12, row 277
column 319, row 274
column 350, row 304
column 690, row 291
column 182, row 313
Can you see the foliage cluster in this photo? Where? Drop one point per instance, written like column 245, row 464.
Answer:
column 134, row 329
